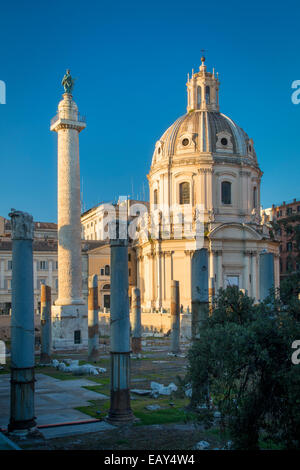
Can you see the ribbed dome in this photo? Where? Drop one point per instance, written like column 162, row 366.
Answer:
column 204, row 132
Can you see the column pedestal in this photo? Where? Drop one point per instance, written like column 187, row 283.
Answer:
column 69, row 327
column 120, row 410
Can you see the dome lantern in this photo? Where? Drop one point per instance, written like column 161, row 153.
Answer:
column 203, row 90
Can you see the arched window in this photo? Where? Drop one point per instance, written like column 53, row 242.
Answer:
column 155, row 196
column 207, row 94
column 106, row 287
column 107, row 270
column 254, row 197
column 184, row 193
column 198, row 96
column 226, row 192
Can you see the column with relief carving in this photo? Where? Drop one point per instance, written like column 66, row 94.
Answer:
column 69, row 314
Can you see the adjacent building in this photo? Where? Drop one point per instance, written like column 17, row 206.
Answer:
column 44, row 262
column 285, row 215
column 95, row 226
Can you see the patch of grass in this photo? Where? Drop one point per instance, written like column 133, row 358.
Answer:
column 58, row 374
column 97, row 409
column 163, row 416
column 123, row 441
column 100, row 363
column 167, row 414
column 99, row 379
column 98, row 389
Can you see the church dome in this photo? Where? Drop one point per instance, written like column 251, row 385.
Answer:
column 204, row 130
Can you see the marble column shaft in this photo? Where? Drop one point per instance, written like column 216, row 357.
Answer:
column 199, row 290
column 136, row 340
column 93, row 323
column 120, row 409
column 175, row 317
column 22, row 416
column 45, row 324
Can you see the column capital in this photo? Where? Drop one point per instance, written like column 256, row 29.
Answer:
column 168, row 253
column 203, row 171
column 21, row 225
column 189, row 252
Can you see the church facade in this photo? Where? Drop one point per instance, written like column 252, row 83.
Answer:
column 204, row 160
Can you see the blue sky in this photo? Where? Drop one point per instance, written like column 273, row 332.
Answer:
column 131, row 60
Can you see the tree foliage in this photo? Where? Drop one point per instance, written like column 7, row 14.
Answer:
column 243, row 357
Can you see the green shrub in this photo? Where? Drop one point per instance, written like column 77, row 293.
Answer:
column 242, row 363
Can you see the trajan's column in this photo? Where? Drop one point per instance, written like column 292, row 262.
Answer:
column 69, row 314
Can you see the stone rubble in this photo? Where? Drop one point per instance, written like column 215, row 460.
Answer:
column 202, row 445
column 70, row 365
column 153, row 407
column 159, row 389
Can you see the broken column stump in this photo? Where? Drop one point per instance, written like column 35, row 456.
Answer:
column 45, row 324
column 136, row 341
column 93, row 324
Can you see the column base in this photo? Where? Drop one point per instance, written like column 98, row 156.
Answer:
column 136, row 345
column 120, row 411
column 45, row 359
column 22, row 417
column 69, row 327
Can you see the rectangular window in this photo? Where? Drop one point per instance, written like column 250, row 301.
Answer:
column 101, row 272
column 43, row 265
column 9, row 265
column 232, row 281
column 129, row 257
column 184, row 193
column 77, row 337
column 226, row 192
column 129, row 272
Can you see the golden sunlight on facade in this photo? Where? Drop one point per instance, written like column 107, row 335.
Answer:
column 203, row 160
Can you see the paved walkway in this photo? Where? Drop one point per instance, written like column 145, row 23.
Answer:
column 55, row 399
